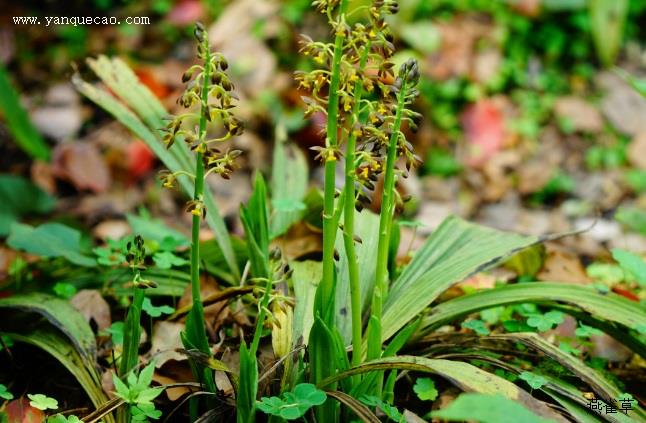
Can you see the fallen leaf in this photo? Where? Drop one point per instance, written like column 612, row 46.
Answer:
column 483, row 124
column 299, row 241
column 173, row 394
column 214, row 314
column 582, row 115
column 622, row 105
column 604, row 346
column 111, row 229
column 562, row 266
column 165, row 340
column 458, row 40
column 185, row 12
column 237, row 38
column 81, row 164
column 42, row 175
column 91, row 304
column 141, row 160
column 19, row 411
column 148, row 78
column 637, row 151
column 478, row 281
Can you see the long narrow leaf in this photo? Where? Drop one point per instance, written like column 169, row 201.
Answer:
column 609, row 307
column 288, row 185
column 18, row 123
column 456, row 250
column 465, row 376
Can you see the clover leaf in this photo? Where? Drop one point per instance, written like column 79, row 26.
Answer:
column 568, row 348
column 425, row 389
column 155, row 311
column 293, row 405
column 42, row 402
column 4, row 393
column 533, row 380
column 109, row 256
column 64, row 290
column 389, row 410
column 476, row 325
column 166, row 260
column 116, row 332
column 631, row 263
column 544, row 322
column 585, row 331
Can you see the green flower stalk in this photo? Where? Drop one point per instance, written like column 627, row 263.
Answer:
column 209, row 87
column 405, row 92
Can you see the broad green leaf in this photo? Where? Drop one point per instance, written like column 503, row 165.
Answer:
column 425, row 389
column 50, row 340
column 17, row 120
column 607, row 19
column 20, row 197
column 49, row 240
column 305, row 278
column 59, row 313
column 595, row 379
column 126, row 95
column 610, row 307
column 487, row 409
column 289, row 180
column 465, row 376
column 632, row 263
column 454, row 251
column 365, row 223
column 255, row 219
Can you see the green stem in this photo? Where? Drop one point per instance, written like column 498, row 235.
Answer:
column 348, row 223
column 132, row 334
column 327, row 285
column 385, row 224
column 264, row 303
column 197, row 312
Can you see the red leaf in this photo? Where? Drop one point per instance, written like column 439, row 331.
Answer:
column 483, row 124
column 141, row 160
column 159, row 89
column 186, row 12
column 19, row 411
